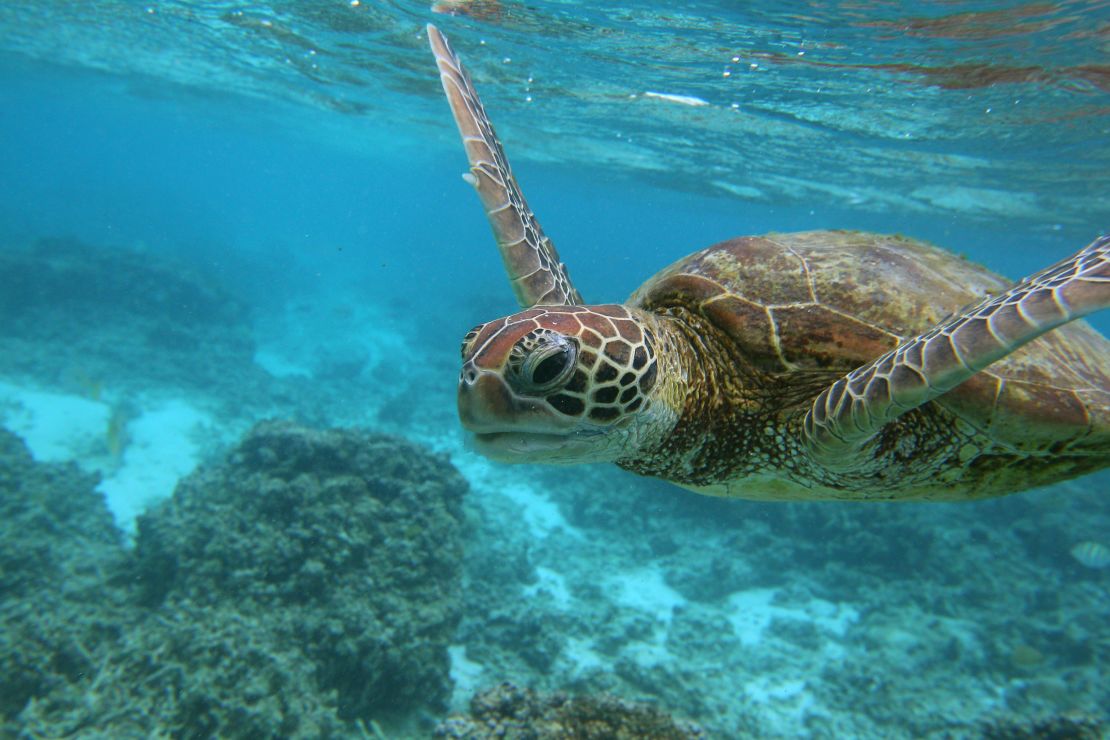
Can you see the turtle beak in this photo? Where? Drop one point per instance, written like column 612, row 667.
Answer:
column 485, row 402
column 506, row 427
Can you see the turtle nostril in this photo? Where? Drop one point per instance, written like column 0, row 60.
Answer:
column 468, row 375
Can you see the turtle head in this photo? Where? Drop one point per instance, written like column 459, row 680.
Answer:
column 561, row 384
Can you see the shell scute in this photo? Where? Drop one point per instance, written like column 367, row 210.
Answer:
column 755, row 268
column 815, row 337
column 1060, row 415
column 674, row 286
column 749, row 325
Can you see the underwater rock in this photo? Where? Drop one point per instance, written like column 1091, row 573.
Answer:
column 305, row 587
column 512, row 713
column 97, row 316
column 192, row 673
column 342, row 546
column 58, row 545
column 54, row 526
column 1050, row 728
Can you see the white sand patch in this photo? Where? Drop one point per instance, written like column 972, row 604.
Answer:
column 752, row 611
column 766, row 689
column 140, row 461
column 164, row 447
column 328, row 333
column 645, row 590
column 787, row 698
column 538, row 512
column 909, row 645
column 466, row 675
column 650, row 654
column 56, row 426
column 280, row 364
column 582, row 656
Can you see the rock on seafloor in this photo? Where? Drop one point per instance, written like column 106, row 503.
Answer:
column 306, row 586
column 57, row 544
column 86, row 313
column 513, row 713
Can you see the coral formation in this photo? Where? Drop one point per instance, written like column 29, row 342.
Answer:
column 58, row 545
column 108, row 323
column 343, row 542
column 506, row 711
column 766, row 620
column 188, row 330
column 1049, row 728
column 305, row 587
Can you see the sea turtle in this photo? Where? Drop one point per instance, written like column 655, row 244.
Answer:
column 803, row 366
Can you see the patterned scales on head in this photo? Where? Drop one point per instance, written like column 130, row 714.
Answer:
column 815, row 365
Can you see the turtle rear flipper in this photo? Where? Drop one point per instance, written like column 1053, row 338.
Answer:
column 851, row 411
column 535, row 270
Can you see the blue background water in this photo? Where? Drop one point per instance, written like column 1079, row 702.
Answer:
column 300, row 153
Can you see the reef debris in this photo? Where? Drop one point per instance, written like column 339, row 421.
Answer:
column 58, row 547
column 1045, row 728
column 508, row 712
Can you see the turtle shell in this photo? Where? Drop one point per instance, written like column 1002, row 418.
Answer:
column 802, row 303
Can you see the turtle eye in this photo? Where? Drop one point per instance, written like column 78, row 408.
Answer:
column 547, row 369
column 468, row 340
column 543, row 361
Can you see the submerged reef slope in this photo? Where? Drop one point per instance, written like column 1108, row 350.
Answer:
column 114, row 324
column 774, row 620
column 512, row 713
column 58, row 546
column 342, row 542
column 94, row 315
column 304, row 587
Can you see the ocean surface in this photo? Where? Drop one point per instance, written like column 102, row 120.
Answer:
column 214, row 214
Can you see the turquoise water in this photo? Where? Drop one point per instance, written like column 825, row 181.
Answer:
column 292, row 169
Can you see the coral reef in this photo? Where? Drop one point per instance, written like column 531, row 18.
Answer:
column 343, row 542
column 1050, row 728
column 506, row 711
column 305, row 587
column 110, row 323
column 187, row 330
column 58, row 545
column 773, row 620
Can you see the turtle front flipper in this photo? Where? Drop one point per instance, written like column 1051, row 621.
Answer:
column 850, row 412
column 535, row 271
